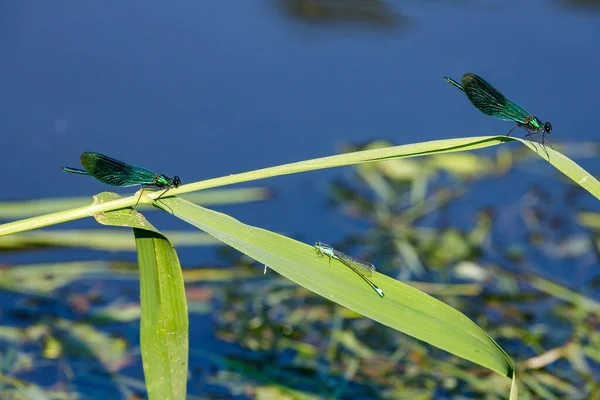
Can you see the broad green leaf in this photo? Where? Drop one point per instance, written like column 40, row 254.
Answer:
column 164, row 317
column 403, row 308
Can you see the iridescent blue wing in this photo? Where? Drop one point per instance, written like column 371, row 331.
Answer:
column 114, row 172
column 490, row 101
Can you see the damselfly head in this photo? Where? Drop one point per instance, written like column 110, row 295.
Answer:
column 176, row 181
column 547, row 127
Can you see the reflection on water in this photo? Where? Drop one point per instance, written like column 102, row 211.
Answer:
column 595, row 4
column 374, row 12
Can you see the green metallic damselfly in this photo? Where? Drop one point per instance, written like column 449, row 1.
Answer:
column 490, row 101
column 117, row 173
column 361, row 268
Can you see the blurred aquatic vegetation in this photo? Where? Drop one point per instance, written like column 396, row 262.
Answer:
column 11, row 210
column 95, row 239
column 295, row 333
column 81, row 332
column 582, row 4
column 490, row 263
column 50, row 339
column 71, row 319
column 373, row 12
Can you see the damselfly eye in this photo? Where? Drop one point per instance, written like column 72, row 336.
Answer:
column 548, row 127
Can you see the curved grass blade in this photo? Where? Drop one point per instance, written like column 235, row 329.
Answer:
column 561, row 162
column 164, row 318
column 11, row 210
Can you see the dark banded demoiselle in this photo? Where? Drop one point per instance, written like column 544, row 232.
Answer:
column 117, row 173
column 362, row 269
column 490, row 101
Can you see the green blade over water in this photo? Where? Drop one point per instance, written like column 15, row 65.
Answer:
column 403, row 308
column 164, row 319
